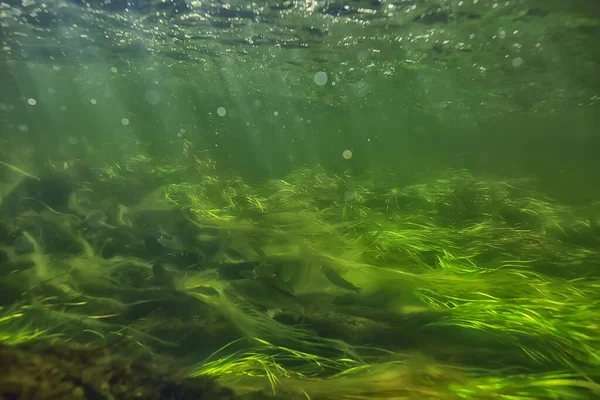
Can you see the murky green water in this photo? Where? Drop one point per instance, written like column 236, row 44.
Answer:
column 351, row 200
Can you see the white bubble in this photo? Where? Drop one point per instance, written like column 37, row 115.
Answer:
column 152, row 97
column 63, row 108
column 73, row 140
column 31, row 101
column 347, row 154
column 114, row 70
column 93, row 101
column 124, row 121
column 221, row 111
column 23, row 128
column 51, row 90
column 320, row 78
column 275, row 113
column 360, row 89
column 181, row 130
column 517, row 62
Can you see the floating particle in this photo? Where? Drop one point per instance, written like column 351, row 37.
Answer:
column 31, row 101
column 360, row 89
column 73, row 140
column 347, row 154
column 320, row 78
column 23, row 128
column 152, row 97
column 517, row 62
column 221, row 111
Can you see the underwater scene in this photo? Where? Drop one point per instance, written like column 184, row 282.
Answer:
column 300, row 199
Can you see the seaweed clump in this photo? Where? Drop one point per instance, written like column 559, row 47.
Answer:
column 66, row 372
column 470, row 286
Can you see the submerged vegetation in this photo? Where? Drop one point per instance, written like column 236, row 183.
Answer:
column 316, row 286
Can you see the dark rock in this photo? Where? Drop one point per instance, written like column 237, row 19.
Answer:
column 66, row 372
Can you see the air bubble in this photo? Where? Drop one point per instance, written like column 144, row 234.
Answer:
column 517, row 62
column 320, row 78
column 152, row 97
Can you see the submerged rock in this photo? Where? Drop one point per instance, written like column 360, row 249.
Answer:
column 62, row 372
